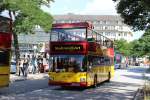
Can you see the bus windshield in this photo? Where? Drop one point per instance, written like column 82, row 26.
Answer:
column 68, row 63
column 72, row 34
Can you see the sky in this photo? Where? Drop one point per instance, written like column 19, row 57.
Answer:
column 93, row 7
column 85, row 7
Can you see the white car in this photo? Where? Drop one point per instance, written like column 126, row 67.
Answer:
column 13, row 67
column 117, row 66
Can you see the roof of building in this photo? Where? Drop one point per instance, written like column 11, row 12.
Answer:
column 73, row 25
column 87, row 17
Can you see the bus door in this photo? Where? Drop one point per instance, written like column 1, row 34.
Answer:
column 4, row 67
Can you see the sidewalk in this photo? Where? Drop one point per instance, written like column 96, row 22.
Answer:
column 14, row 77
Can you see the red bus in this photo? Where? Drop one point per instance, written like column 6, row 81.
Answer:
column 79, row 55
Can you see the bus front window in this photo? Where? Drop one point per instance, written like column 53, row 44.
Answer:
column 67, row 63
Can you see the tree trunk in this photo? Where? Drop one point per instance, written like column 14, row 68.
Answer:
column 16, row 45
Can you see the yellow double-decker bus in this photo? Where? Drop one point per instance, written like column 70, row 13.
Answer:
column 79, row 56
column 5, row 50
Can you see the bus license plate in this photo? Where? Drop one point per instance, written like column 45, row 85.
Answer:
column 75, row 84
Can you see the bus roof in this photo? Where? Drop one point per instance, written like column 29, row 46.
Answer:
column 73, row 25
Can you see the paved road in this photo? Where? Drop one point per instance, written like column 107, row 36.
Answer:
column 122, row 87
column 20, row 84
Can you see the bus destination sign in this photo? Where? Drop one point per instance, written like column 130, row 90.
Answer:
column 68, row 48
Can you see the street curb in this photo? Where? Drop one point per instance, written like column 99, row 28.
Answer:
column 17, row 80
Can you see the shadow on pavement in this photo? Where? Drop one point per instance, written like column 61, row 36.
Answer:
column 27, row 85
column 105, row 91
column 137, row 69
column 135, row 77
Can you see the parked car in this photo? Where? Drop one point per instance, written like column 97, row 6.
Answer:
column 117, row 66
column 13, row 67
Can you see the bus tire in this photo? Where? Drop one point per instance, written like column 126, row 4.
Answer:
column 109, row 77
column 95, row 81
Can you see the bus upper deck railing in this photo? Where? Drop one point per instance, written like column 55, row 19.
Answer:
column 80, row 34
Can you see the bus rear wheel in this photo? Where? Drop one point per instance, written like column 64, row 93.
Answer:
column 109, row 77
column 95, row 81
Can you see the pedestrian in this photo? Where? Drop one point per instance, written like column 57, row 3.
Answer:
column 33, row 59
column 45, row 62
column 21, row 69
column 39, row 63
column 26, row 64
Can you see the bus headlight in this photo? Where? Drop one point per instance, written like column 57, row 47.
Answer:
column 82, row 79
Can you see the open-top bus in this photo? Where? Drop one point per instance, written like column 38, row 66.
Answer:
column 5, row 50
column 79, row 56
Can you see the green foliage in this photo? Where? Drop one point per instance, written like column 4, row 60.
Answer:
column 136, row 49
column 135, row 13
column 28, row 14
column 141, row 47
column 123, row 47
column 145, row 40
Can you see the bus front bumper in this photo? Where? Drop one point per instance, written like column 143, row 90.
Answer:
column 72, row 84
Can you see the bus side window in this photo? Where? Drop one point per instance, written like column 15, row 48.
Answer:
column 4, row 57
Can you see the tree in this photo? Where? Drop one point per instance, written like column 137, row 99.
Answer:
column 27, row 14
column 123, row 47
column 135, row 48
column 135, row 13
column 145, row 43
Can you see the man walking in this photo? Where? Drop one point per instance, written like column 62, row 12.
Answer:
column 26, row 64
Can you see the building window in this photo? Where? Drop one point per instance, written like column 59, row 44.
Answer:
column 101, row 27
column 99, row 22
column 106, row 27
column 104, row 22
column 125, row 34
column 108, row 22
column 114, row 34
column 112, row 27
column 120, row 28
column 121, row 34
column 95, row 27
column 117, row 22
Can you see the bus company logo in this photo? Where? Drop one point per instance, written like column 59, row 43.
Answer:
column 71, row 48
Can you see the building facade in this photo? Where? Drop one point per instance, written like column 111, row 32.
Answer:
column 111, row 26
column 33, row 42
